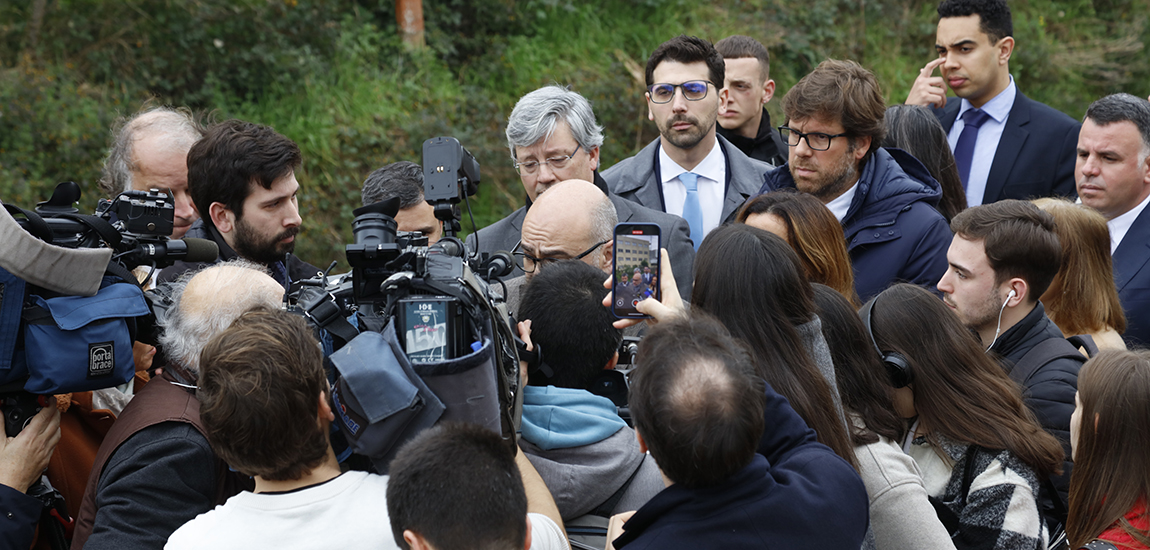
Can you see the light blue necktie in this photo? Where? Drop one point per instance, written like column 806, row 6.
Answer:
column 692, row 212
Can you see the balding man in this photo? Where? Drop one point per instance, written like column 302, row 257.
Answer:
column 150, row 151
column 574, row 220
column 553, row 137
column 155, row 469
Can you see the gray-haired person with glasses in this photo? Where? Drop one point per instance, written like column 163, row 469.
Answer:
column 552, row 137
column 689, row 171
column 885, row 199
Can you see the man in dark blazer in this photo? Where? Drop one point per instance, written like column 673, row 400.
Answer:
column 553, row 137
column 1015, row 147
column 689, row 170
column 1113, row 172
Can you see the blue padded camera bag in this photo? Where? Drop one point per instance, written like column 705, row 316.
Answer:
column 82, row 343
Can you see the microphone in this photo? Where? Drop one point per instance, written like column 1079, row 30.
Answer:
column 498, row 264
column 189, row 250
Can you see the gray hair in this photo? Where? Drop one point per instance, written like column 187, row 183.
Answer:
column 186, row 330
column 178, row 129
column 1123, row 108
column 403, row 179
column 536, row 114
column 603, row 220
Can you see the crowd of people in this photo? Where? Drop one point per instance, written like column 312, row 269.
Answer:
column 872, row 326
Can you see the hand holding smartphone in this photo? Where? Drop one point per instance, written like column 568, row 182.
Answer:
column 635, row 268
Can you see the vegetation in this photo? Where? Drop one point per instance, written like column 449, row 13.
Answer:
column 334, row 76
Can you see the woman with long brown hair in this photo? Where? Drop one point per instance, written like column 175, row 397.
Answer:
column 1108, row 434
column 981, row 452
column 813, row 233
column 1082, row 298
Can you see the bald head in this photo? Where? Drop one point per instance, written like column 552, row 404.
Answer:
column 571, row 218
column 208, row 303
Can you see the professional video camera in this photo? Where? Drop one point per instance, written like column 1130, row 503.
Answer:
column 425, row 314
column 54, row 334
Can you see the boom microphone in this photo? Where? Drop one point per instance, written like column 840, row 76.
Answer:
column 188, row 250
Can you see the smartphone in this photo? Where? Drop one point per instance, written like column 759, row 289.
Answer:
column 635, row 268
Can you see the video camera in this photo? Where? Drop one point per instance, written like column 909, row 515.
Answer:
column 52, row 334
column 434, row 306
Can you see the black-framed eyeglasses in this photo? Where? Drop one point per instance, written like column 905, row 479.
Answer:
column 530, row 167
column 693, row 90
column 529, row 263
column 817, row 141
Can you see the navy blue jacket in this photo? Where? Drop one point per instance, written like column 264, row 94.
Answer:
column 18, row 516
column 796, row 493
column 893, row 232
column 1132, row 277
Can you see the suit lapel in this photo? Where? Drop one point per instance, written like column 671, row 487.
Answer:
column 1133, row 252
column 1014, row 136
column 947, row 115
column 622, row 208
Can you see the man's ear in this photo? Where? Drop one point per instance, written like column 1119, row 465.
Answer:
column 527, row 539
column 614, row 361
column 324, row 411
column 222, row 217
column 768, row 91
column 415, row 541
column 1021, row 292
column 862, row 145
column 594, row 152
column 650, row 113
column 1005, row 48
column 608, row 255
column 642, row 444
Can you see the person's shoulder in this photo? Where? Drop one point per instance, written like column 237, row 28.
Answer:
column 628, row 165
column 1046, row 114
column 197, row 531
column 546, row 534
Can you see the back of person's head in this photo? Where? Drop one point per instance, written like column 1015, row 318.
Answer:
column 688, row 49
column 814, row 234
column 206, row 302
column 914, row 129
column 537, row 113
column 994, row 15
column 1082, row 298
column 1018, row 239
column 959, row 391
column 403, row 179
column 457, row 487
column 843, row 91
column 233, row 156
column 1123, row 108
column 752, row 282
column 565, row 306
column 738, row 46
column 176, row 128
column 261, row 382
column 696, row 401
column 1110, row 476
column 863, row 384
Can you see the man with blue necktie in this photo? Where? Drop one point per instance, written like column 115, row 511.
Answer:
column 688, row 171
column 1006, row 145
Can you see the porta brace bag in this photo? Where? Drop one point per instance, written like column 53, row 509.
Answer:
column 81, row 343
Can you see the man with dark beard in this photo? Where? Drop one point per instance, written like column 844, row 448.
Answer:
column 689, row 171
column 241, row 177
column 884, row 198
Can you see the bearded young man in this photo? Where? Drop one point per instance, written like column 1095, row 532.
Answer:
column 241, row 177
column 884, row 199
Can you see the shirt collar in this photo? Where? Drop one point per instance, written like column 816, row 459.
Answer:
column 712, row 166
column 1120, row 225
column 999, row 107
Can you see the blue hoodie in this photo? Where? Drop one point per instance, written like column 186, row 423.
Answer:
column 560, row 418
column 893, row 232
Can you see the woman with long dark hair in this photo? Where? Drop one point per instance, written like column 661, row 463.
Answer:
column 752, row 282
column 916, row 130
column 981, row 452
column 901, row 516
column 1108, row 434
column 811, row 230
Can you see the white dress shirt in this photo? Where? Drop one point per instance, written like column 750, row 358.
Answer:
column 1121, row 224
column 712, row 172
column 989, row 134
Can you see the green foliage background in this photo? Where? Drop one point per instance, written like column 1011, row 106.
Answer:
column 334, row 76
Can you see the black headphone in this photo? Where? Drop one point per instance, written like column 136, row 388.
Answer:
column 897, row 367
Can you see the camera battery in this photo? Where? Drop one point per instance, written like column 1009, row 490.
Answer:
column 430, row 327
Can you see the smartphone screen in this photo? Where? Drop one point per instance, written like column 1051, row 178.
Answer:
column 636, row 268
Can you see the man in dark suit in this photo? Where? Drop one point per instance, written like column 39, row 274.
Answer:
column 1006, row 145
column 553, row 137
column 689, row 170
column 1113, row 172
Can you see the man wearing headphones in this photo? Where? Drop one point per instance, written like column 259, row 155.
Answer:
column 1002, row 258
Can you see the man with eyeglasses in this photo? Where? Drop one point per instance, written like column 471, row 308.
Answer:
column 884, row 198
column 688, row 171
column 552, row 136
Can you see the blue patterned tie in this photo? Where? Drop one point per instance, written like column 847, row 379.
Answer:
column 692, row 212
column 964, row 150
